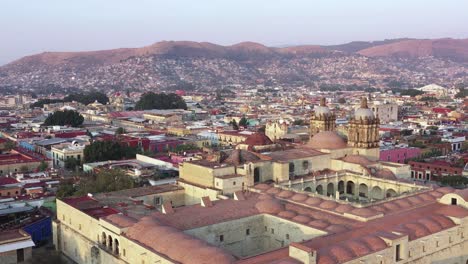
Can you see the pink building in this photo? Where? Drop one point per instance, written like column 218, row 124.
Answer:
column 399, row 155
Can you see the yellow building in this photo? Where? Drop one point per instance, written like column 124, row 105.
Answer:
column 232, row 138
column 64, row 151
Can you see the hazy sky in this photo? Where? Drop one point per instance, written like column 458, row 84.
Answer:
column 32, row 26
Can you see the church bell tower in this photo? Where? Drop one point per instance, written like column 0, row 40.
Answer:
column 363, row 130
column 322, row 120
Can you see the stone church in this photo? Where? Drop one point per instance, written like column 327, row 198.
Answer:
column 327, row 201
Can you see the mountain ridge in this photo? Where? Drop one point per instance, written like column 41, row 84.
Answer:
column 208, row 65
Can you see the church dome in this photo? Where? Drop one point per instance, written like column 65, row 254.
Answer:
column 322, row 110
column 327, row 140
column 258, row 139
column 363, row 112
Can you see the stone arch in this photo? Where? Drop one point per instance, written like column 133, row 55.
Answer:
column 350, row 187
column 341, row 187
column 307, row 189
column 116, row 246
column 376, row 193
column 363, row 190
column 319, row 189
column 110, row 242
column 391, row 193
column 330, row 189
column 104, row 238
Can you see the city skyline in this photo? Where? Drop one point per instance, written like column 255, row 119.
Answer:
column 88, row 25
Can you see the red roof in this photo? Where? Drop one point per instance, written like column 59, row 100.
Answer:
column 7, row 180
column 90, row 206
column 70, row 134
column 257, row 139
column 441, row 110
column 100, row 212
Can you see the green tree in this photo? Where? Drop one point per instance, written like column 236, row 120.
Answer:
column 9, row 145
column 87, row 98
column 65, row 190
column 71, row 163
column 243, row 122
column 428, row 99
column 107, row 150
column 299, row 122
column 406, row 132
column 107, row 180
column 464, row 147
column 64, row 118
column 462, row 93
column 160, row 101
column 234, row 124
column 410, row 92
column 23, row 168
column 41, row 102
column 42, row 166
column 120, row 131
column 185, row 147
column 454, row 181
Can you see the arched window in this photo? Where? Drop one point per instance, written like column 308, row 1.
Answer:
column 110, row 243
column 104, row 239
column 116, row 246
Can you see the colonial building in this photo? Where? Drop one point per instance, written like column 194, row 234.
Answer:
column 327, row 201
column 62, row 152
column 276, row 130
column 387, row 112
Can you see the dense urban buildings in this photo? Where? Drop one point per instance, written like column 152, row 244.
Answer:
column 327, row 201
column 195, row 152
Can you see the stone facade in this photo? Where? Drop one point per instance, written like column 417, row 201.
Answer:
column 276, row 130
column 363, row 130
column 322, row 119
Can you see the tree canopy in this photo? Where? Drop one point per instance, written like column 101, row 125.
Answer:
column 87, row 98
column 71, row 163
column 64, row 118
column 107, row 150
column 410, row 92
column 234, row 124
column 103, row 181
column 160, row 101
column 462, row 93
column 41, row 102
column 120, row 131
column 243, row 122
column 42, row 166
column 84, row 98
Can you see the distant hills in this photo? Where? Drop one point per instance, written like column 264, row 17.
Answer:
column 240, row 51
column 453, row 49
column 456, row 49
column 204, row 63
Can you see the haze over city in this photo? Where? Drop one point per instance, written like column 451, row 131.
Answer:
column 233, row 132
column 31, row 27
